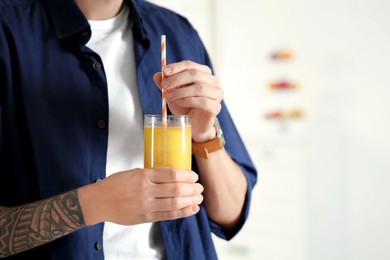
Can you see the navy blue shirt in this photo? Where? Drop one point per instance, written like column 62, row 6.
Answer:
column 54, row 115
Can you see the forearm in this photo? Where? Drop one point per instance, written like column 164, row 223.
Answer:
column 225, row 188
column 28, row 226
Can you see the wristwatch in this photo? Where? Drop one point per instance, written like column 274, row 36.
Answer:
column 203, row 149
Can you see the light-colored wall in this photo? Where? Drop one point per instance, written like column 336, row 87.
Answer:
column 323, row 187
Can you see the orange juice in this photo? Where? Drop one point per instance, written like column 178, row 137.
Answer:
column 168, row 145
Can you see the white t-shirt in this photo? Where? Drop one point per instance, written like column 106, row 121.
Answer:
column 112, row 39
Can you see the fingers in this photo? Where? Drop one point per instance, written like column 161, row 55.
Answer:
column 170, row 175
column 190, row 85
column 174, row 214
column 178, row 67
column 157, row 77
column 175, row 193
column 199, row 83
column 197, row 96
column 177, row 190
column 176, row 203
column 171, row 182
column 173, row 208
column 186, row 73
column 147, row 195
column 191, row 77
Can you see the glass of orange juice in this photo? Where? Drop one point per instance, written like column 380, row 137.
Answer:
column 167, row 141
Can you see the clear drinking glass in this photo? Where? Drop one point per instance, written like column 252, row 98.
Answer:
column 167, row 141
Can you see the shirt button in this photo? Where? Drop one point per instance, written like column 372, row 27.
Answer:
column 101, row 124
column 84, row 33
column 98, row 246
column 97, row 66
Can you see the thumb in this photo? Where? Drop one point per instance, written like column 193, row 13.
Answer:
column 157, row 79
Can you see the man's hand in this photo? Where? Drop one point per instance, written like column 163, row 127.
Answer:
column 142, row 195
column 192, row 90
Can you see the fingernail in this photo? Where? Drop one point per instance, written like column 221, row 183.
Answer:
column 195, row 175
column 167, row 70
column 198, row 199
column 194, row 209
column 199, row 188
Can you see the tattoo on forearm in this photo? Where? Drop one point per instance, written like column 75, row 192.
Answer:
column 34, row 224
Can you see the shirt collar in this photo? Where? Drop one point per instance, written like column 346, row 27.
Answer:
column 140, row 31
column 68, row 18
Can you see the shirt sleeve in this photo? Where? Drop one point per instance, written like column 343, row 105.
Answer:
column 238, row 152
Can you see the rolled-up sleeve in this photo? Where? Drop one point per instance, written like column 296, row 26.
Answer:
column 237, row 150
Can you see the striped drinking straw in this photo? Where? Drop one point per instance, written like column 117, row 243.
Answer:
column 163, row 63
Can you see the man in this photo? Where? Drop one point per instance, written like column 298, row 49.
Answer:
column 76, row 77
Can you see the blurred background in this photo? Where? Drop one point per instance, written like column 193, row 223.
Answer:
column 308, row 84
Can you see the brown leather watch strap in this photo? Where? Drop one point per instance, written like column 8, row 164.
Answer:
column 203, row 149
